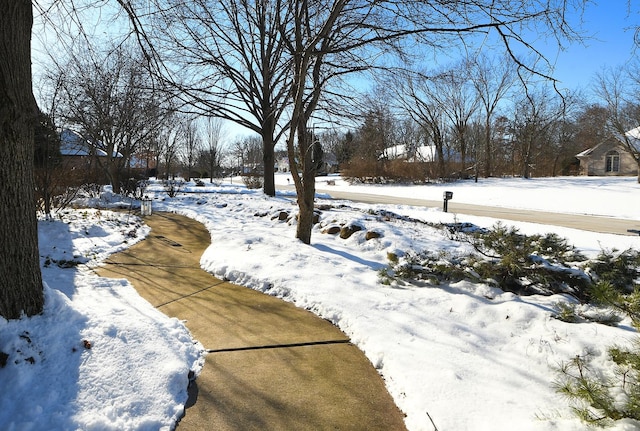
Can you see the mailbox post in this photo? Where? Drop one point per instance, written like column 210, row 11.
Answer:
column 446, row 196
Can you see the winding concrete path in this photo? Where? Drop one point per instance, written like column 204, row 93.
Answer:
column 271, row 365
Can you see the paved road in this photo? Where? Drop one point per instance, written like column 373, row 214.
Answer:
column 583, row 222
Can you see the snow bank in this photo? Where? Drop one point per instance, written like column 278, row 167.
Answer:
column 99, row 357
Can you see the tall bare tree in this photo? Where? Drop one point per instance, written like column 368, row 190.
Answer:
column 417, row 94
column 376, row 132
column 591, row 126
column 109, row 97
column 225, row 59
column 325, row 40
column 492, row 78
column 313, row 29
column 408, row 133
column 167, row 146
column 562, row 151
column 333, row 38
column 212, row 151
column 47, row 163
column 247, row 154
column 21, row 289
column 459, row 102
column 191, row 145
column 534, row 128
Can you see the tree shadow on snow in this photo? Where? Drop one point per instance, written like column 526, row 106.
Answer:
column 371, row 264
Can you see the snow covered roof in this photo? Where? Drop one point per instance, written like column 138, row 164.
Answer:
column 73, row 144
column 424, row 153
column 633, row 137
column 585, row 153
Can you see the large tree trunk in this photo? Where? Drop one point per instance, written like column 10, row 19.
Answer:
column 113, row 172
column 306, row 195
column 463, row 154
column 269, row 185
column 20, row 278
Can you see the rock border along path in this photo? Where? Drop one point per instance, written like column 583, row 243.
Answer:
column 271, row 365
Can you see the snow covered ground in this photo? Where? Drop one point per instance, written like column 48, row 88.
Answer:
column 462, row 356
column 604, row 196
column 99, row 357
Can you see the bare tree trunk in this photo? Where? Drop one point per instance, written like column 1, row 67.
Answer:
column 438, row 142
column 488, row 166
column 20, row 277
column 307, row 194
column 463, row 151
column 268, row 158
column 114, row 176
column 526, row 160
column 554, row 168
column 442, row 170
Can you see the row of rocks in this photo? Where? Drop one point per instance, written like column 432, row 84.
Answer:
column 345, row 230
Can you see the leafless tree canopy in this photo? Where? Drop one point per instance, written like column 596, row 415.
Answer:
column 268, row 65
column 237, row 59
column 213, row 152
column 109, row 98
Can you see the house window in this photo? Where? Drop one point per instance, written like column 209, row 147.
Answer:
column 613, row 162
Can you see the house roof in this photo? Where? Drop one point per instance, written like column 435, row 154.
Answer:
column 73, row 144
column 632, row 137
column 585, row 153
column 424, row 153
column 611, row 143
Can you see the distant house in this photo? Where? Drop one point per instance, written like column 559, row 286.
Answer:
column 282, row 162
column 424, row 153
column 611, row 157
column 80, row 157
column 78, row 152
column 421, row 154
column 330, row 163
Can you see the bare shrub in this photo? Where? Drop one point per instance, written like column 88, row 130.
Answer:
column 134, row 187
column 92, row 189
column 252, row 181
column 403, row 171
column 57, row 186
column 385, row 171
column 365, row 171
column 172, row 187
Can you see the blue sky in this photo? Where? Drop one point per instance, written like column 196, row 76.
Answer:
column 611, row 44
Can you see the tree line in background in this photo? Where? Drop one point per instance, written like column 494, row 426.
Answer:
column 476, row 118
column 467, row 120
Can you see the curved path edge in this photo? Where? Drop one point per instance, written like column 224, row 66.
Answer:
column 271, row 365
